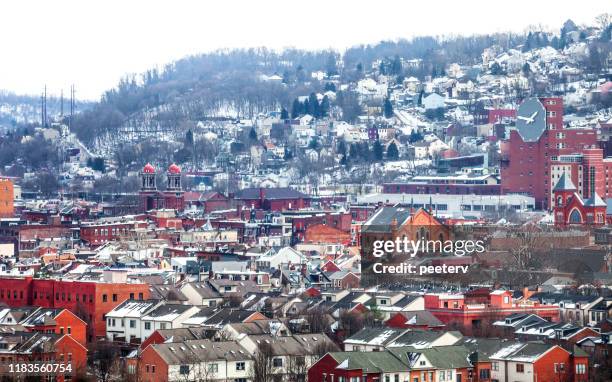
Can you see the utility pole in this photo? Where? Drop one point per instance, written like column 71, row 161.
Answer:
column 45, row 108
column 71, row 107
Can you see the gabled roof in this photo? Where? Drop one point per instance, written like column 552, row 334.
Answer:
column 522, row 352
column 374, row 336
column 420, row 318
column 595, row 201
column 441, row 357
column 369, row 362
column 564, row 184
column 196, row 351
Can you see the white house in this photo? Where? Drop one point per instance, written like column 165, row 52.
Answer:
column 433, row 101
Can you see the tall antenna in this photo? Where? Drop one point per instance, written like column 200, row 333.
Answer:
column 42, row 110
column 62, row 104
column 71, row 106
column 45, row 108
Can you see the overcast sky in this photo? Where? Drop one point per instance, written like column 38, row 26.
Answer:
column 93, row 43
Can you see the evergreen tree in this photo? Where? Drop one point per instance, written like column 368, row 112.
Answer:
column 330, row 86
column 314, row 144
column 353, row 151
column 377, row 150
column 526, row 70
column 284, row 114
column 388, row 108
column 341, row 148
column 306, row 107
column 415, row 136
column 324, row 107
column 189, row 138
column 296, row 108
column 331, row 66
column 313, row 105
column 253, row 135
column 392, row 152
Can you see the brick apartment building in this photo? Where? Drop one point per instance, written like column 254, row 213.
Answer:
column 541, row 149
column 472, row 311
column 7, row 197
column 89, row 300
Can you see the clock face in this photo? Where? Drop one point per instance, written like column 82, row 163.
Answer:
column 531, row 120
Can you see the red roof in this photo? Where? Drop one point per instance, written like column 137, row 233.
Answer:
column 149, row 169
column 450, row 153
column 174, row 169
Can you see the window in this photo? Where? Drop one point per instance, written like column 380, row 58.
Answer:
column 147, row 325
column 162, row 325
column 240, row 366
column 147, row 368
column 132, row 323
column 69, row 330
column 495, row 366
column 277, row 362
column 580, row 368
column 442, row 376
column 520, row 368
column 131, row 296
column 104, row 298
column 152, row 368
column 213, row 368
column 485, row 373
column 114, row 297
column 140, row 296
column 184, row 369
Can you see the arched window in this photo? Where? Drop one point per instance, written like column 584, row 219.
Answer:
column 575, row 217
column 559, row 201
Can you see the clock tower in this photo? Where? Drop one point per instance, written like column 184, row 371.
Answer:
column 540, row 149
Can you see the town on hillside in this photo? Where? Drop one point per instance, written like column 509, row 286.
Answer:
column 424, row 210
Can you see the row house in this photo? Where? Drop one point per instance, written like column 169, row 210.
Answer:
column 536, row 362
column 134, row 321
column 201, row 360
column 24, row 347
column 448, row 364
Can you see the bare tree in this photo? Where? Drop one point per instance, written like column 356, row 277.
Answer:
column 105, row 361
column 262, row 363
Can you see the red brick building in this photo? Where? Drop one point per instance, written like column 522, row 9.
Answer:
column 570, row 208
column 319, row 233
column 541, row 148
column 101, row 232
column 271, row 199
column 7, row 198
column 471, row 312
column 89, row 300
column 22, row 347
column 152, row 199
column 537, row 362
column 58, row 321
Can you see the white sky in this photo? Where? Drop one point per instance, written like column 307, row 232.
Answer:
column 93, row 43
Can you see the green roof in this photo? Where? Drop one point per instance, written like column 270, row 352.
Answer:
column 441, row 357
column 382, row 362
column 564, row 184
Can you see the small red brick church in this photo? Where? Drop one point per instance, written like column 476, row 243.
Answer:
column 570, row 208
column 152, row 199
